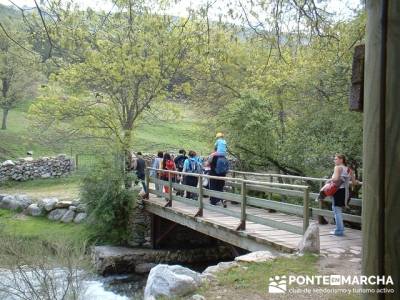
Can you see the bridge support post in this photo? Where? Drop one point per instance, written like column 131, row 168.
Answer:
column 242, row 225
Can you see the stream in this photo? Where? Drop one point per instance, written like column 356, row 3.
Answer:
column 35, row 282
column 51, row 284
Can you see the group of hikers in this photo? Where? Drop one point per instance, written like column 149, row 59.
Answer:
column 216, row 164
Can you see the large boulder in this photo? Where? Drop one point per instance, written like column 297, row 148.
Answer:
column 57, row 214
column 7, row 201
column 17, row 202
column 68, row 216
column 34, row 210
column 171, row 282
column 310, row 241
column 23, row 201
column 80, row 217
column 48, row 204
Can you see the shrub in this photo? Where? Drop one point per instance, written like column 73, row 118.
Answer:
column 109, row 202
column 36, row 269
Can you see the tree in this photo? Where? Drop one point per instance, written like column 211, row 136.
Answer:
column 292, row 101
column 18, row 72
column 125, row 69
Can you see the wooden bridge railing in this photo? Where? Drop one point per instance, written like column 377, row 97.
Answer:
column 243, row 198
column 319, row 182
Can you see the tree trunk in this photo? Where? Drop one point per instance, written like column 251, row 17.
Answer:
column 5, row 115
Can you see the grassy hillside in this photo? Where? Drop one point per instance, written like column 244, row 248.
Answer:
column 186, row 132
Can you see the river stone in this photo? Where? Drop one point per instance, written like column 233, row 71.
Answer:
column 257, row 256
column 81, row 208
column 34, row 210
column 6, row 201
column 23, row 201
column 198, row 297
column 18, row 202
column 48, row 203
column 310, row 241
column 2, row 197
column 75, row 202
column 144, row 268
column 8, row 163
column 68, row 216
column 171, row 282
column 57, row 214
column 63, row 204
column 80, row 217
column 222, row 266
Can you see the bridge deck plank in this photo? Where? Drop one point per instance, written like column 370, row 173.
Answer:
column 262, row 234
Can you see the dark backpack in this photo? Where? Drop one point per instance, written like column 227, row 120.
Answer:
column 179, row 161
column 222, row 166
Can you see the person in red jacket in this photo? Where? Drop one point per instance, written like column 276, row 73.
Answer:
column 167, row 164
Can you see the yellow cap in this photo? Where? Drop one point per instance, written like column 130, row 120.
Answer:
column 219, row 134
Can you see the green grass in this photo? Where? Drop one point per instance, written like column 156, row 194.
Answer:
column 252, row 278
column 41, row 228
column 255, row 276
column 184, row 132
column 64, row 188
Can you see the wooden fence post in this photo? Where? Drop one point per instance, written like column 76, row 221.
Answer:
column 234, row 182
column 306, row 209
column 200, row 211
column 76, row 162
column 242, row 225
column 147, row 182
column 170, row 189
column 270, row 180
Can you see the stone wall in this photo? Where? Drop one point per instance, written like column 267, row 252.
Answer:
column 45, row 167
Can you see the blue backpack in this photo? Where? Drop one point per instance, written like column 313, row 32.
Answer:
column 222, row 166
column 194, row 167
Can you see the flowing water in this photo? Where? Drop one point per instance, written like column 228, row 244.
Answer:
column 52, row 284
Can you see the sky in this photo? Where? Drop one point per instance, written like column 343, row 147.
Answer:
column 341, row 7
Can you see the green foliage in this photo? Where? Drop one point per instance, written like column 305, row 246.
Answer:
column 284, row 109
column 109, row 203
column 123, row 73
column 19, row 70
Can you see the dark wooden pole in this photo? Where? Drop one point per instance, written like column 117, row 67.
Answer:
column 381, row 149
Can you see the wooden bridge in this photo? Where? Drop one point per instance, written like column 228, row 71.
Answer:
column 262, row 213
